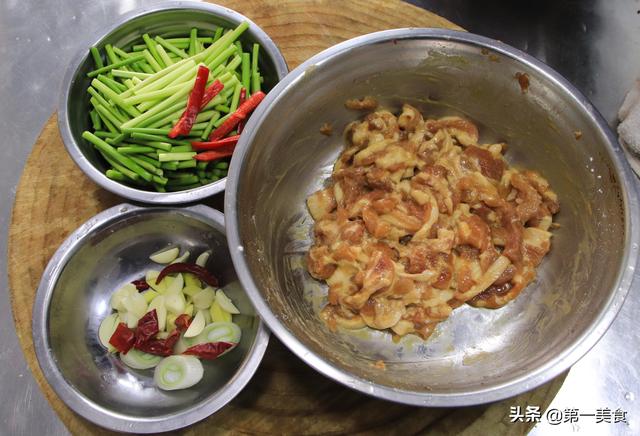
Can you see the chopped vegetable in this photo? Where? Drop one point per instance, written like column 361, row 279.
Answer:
column 240, row 114
column 141, row 285
column 196, row 326
column 197, row 270
column 107, row 328
column 225, row 302
column 157, row 304
column 204, row 298
column 183, row 126
column 218, row 314
column 218, row 143
column 178, row 372
column 165, row 256
column 203, row 258
column 182, row 322
column 137, row 359
column 147, row 327
column 209, row 351
column 123, row 338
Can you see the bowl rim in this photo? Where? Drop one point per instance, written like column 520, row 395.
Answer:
column 72, row 146
column 520, row 383
column 75, row 399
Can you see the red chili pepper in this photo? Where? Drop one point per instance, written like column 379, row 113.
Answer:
column 240, row 114
column 182, row 322
column 147, row 327
column 211, row 91
column 211, row 145
column 210, row 350
column 123, row 338
column 243, row 97
column 172, row 339
column 159, row 347
column 183, row 126
column 192, row 268
column 141, row 285
column 207, row 156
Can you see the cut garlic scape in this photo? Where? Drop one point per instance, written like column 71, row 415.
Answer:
column 183, row 258
column 203, row 258
column 106, row 329
column 196, row 326
column 166, row 255
column 225, row 302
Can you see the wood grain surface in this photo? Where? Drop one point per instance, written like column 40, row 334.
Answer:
column 285, row 396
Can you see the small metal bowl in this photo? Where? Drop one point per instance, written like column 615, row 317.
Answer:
column 109, row 250
column 477, row 355
column 175, row 16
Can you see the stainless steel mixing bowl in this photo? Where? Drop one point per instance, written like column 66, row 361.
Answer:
column 106, row 252
column 168, row 17
column 477, row 355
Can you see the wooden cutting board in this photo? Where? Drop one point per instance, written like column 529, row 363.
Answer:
column 285, row 396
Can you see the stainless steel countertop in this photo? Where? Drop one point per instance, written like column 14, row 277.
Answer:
column 595, row 44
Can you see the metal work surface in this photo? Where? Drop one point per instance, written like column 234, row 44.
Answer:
column 594, row 44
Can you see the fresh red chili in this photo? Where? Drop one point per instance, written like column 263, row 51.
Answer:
column 182, row 322
column 208, row 351
column 147, row 327
column 183, row 126
column 211, row 91
column 192, row 268
column 141, row 285
column 240, row 114
column 243, row 97
column 123, row 338
column 212, row 145
column 207, row 156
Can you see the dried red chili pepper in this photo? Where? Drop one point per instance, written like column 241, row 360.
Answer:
column 243, row 98
column 192, row 268
column 208, row 351
column 141, row 285
column 123, row 338
column 212, row 145
column 159, row 347
column 211, row 91
column 210, row 155
column 172, row 339
column 183, row 126
column 240, row 114
column 182, row 322
column 147, row 327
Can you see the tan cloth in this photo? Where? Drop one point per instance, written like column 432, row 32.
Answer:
column 629, row 127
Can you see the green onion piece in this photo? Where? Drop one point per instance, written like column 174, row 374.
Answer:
column 147, row 166
column 181, row 148
column 172, row 166
column 130, row 149
column 151, row 61
column 129, row 74
column 193, row 41
column 152, row 46
column 137, row 359
column 103, row 134
column 164, row 56
column 235, row 100
column 246, row 72
column 116, row 87
column 169, row 157
column 147, row 130
column 117, row 140
column 218, row 34
column 187, row 164
column 97, row 59
column 172, row 48
column 255, row 74
column 116, row 175
column 150, row 137
column 95, row 120
column 118, row 157
column 110, row 67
